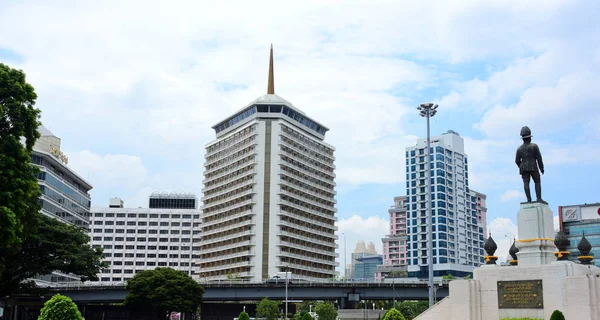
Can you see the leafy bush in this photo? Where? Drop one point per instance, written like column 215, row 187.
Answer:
column 60, row 307
column 307, row 316
column 326, row 311
column 267, row 309
column 393, row 314
column 243, row 316
column 557, row 315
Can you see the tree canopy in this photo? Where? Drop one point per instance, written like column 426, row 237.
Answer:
column 243, row 316
column 268, row 309
column 19, row 192
column 60, row 307
column 164, row 290
column 307, row 316
column 411, row 309
column 55, row 246
column 393, row 314
column 326, row 311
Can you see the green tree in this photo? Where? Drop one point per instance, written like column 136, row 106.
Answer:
column 164, row 290
column 307, row 316
column 60, row 307
column 55, row 246
column 448, row 277
column 19, row 191
column 411, row 309
column 393, row 314
column 268, row 309
column 326, row 311
column 243, row 316
column 305, row 306
column 557, row 315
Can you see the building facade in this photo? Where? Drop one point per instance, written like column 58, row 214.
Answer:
column 394, row 244
column 269, row 194
column 65, row 194
column 481, row 207
column 137, row 239
column 458, row 233
column 173, row 200
column 577, row 220
column 364, row 268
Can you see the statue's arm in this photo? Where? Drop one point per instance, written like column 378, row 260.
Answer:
column 518, row 159
column 538, row 156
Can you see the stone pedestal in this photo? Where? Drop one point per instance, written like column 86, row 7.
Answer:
column 536, row 234
column 571, row 288
column 534, row 288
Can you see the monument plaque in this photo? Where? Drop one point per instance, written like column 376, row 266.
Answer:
column 525, row 294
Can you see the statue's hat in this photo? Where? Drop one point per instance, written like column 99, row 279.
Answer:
column 525, row 132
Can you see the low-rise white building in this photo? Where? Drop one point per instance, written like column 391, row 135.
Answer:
column 137, row 239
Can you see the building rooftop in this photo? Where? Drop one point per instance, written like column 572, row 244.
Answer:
column 270, row 98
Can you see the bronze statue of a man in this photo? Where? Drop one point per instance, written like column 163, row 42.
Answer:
column 528, row 160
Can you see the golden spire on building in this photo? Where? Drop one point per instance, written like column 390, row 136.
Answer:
column 271, row 84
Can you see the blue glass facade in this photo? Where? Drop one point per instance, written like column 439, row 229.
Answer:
column 365, row 267
column 62, row 196
column 575, row 230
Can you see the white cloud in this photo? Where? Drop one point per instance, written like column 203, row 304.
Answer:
column 510, row 195
column 355, row 228
column 503, row 231
column 110, row 169
column 548, row 108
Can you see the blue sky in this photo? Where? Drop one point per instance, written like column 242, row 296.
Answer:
column 133, row 88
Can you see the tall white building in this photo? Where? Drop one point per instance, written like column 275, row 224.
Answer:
column 458, row 231
column 137, row 239
column 269, row 194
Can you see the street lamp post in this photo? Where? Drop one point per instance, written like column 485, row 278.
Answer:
column 345, row 269
column 286, row 292
column 428, row 110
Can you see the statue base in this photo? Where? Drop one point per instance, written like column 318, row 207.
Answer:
column 536, row 234
column 536, row 292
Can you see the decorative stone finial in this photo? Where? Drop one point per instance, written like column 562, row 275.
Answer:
column 562, row 243
column 490, row 248
column 513, row 253
column 584, row 249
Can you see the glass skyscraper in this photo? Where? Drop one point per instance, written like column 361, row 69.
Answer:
column 458, row 229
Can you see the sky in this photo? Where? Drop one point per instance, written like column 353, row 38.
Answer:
column 133, row 88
